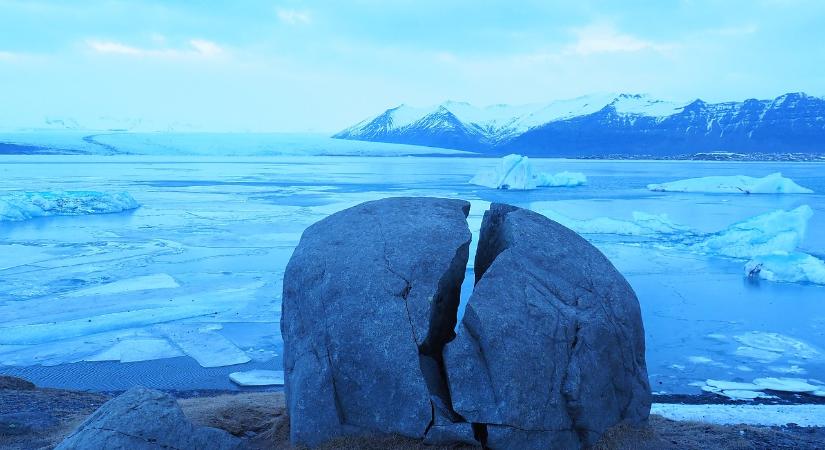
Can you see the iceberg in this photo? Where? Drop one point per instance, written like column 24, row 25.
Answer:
column 516, row 172
column 791, row 267
column 16, row 206
column 777, row 231
column 774, row 183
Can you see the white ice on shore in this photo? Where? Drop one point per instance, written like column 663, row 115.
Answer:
column 767, row 415
column 516, row 172
column 258, row 378
column 792, row 267
column 775, row 231
column 16, row 206
column 774, row 183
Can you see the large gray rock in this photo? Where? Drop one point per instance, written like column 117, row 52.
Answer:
column 550, row 351
column 369, row 300
column 143, row 419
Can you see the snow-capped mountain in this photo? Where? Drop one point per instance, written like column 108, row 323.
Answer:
column 607, row 124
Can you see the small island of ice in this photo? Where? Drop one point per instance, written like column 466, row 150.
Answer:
column 774, row 183
column 15, row 206
column 516, row 172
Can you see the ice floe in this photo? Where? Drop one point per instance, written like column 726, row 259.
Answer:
column 142, row 283
column 793, row 267
column 516, row 172
column 760, row 235
column 736, row 390
column 137, row 349
column 775, row 345
column 774, row 183
column 205, row 345
column 258, row 378
column 641, row 224
column 15, row 206
column 786, row 384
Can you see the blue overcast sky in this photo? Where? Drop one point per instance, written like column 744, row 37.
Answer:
column 323, row 65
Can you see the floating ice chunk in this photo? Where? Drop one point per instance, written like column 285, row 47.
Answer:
column 700, row 359
column 516, row 172
column 732, row 385
column 761, row 235
column 736, row 394
column 207, row 347
column 819, row 393
column 565, row 178
column 790, row 267
column 258, row 378
column 139, row 349
column 786, row 384
column 143, row 283
column 774, row 183
column 757, row 354
column 796, row 370
column 777, row 344
column 16, row 206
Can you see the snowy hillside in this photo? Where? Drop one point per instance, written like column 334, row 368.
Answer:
column 597, row 125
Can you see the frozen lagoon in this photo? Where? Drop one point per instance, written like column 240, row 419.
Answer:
column 213, row 236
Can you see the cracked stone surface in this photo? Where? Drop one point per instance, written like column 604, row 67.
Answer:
column 370, row 298
column 143, row 419
column 550, row 351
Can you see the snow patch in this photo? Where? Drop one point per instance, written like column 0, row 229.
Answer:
column 258, row 378
column 774, row 183
column 16, row 206
column 767, row 415
column 516, row 172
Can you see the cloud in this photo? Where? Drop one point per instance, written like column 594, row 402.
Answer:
column 294, row 17
column 195, row 48
column 604, row 38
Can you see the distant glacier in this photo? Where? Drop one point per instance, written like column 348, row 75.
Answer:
column 608, row 125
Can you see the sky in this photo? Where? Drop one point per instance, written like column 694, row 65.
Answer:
column 320, row 66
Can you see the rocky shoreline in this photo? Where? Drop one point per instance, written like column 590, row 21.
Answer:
column 40, row 418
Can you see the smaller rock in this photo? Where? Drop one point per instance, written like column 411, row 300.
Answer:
column 142, row 419
column 18, row 384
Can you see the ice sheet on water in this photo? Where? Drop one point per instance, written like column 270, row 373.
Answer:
column 15, row 206
column 793, row 267
column 774, row 183
column 137, row 349
column 204, row 344
column 642, row 224
column 142, row 283
column 786, row 384
column 774, row 345
column 516, row 172
column 258, row 378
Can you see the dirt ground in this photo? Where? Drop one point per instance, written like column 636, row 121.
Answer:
column 36, row 418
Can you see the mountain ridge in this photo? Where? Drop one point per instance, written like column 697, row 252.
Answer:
column 587, row 126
